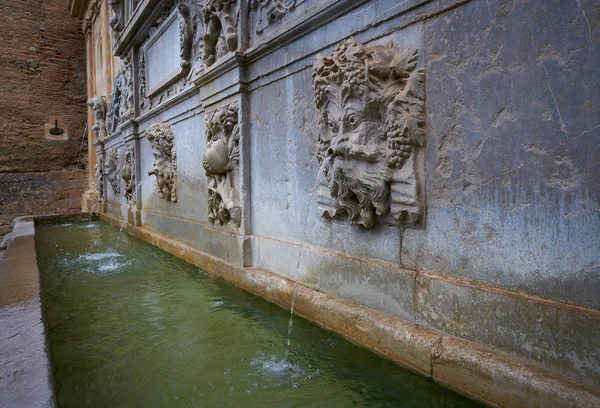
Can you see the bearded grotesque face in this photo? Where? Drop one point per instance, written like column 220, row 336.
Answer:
column 162, row 137
column 370, row 105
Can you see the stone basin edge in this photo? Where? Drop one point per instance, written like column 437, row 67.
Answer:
column 483, row 375
column 26, row 378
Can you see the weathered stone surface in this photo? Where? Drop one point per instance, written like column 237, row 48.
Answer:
column 544, row 334
column 513, row 127
column 25, row 376
column 39, row 193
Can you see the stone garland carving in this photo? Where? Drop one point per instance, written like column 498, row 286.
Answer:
column 99, row 176
column 128, row 174
column 270, row 10
column 98, row 105
column 162, row 138
column 220, row 20
column 121, row 106
column 370, row 103
column 142, row 79
column 221, row 157
column 111, row 170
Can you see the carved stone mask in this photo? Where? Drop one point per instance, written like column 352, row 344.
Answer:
column 370, row 105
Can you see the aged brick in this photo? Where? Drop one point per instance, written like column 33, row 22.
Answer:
column 42, row 66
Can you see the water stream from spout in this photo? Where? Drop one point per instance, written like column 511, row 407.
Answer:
column 118, row 238
column 97, row 204
column 326, row 161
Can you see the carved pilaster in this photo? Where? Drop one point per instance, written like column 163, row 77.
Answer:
column 370, row 103
column 220, row 160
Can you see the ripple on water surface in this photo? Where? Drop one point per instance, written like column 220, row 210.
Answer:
column 138, row 327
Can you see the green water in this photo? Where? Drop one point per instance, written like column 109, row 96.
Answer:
column 137, row 327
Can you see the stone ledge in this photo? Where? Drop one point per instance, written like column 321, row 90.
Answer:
column 486, row 376
column 25, row 373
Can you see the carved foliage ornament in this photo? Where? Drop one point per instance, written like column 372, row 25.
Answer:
column 98, row 105
column 370, row 103
column 111, row 169
column 219, row 28
column 270, row 10
column 121, row 105
column 162, row 138
column 220, row 160
column 128, row 174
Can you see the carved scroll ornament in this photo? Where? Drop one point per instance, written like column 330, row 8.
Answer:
column 98, row 105
column 186, row 35
column 111, row 169
column 219, row 161
column 370, row 103
column 270, row 10
column 162, row 138
column 128, row 174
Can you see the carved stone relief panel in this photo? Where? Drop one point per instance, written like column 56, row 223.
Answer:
column 128, row 174
column 121, row 105
column 370, row 103
column 162, row 138
column 220, row 160
column 111, row 170
column 165, row 59
column 219, row 28
column 99, row 177
column 98, row 105
column 267, row 11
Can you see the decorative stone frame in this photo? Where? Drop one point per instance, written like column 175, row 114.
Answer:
column 181, row 15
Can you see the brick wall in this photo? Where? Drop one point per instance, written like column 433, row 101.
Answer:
column 42, row 72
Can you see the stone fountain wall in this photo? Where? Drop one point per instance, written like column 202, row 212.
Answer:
column 458, row 139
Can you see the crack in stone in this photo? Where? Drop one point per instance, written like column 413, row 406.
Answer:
column 560, row 119
column 587, row 22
